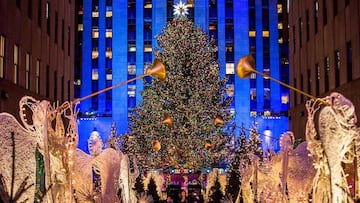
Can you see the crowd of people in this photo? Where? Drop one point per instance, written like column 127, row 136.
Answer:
column 196, row 197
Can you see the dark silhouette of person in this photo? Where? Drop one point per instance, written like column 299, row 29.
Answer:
column 215, row 196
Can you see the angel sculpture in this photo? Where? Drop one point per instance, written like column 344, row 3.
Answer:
column 337, row 131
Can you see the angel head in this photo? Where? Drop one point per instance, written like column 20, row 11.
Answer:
column 343, row 107
column 95, row 143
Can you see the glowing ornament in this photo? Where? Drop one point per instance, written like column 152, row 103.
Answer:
column 207, row 144
column 156, row 145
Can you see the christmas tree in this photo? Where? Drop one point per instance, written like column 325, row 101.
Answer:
column 192, row 94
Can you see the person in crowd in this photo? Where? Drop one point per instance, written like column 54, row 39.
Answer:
column 215, row 196
column 183, row 196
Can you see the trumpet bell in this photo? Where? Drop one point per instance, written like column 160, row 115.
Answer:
column 168, row 121
column 158, row 70
column 245, row 67
column 218, row 121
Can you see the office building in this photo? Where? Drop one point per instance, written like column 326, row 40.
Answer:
column 118, row 38
column 324, row 53
column 36, row 51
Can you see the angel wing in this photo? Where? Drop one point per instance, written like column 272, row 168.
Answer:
column 17, row 141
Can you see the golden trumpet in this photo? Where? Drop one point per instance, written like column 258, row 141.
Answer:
column 218, row 121
column 246, row 66
column 158, row 70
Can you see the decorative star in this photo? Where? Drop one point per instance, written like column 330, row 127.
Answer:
column 181, row 9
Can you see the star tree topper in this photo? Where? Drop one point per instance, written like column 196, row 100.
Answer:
column 181, row 9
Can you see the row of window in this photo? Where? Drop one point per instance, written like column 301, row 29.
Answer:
column 28, row 70
column 316, row 17
column 326, row 73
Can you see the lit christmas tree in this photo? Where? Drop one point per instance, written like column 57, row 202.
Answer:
column 192, row 94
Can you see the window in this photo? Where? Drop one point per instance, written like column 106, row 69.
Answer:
column 317, row 83
column 37, row 76
column 108, row 53
column 300, row 32
column 16, row 64
column 335, row 6
column 316, row 15
column 47, row 16
column 39, row 13
column 230, row 68
column 27, row 71
column 327, row 72
column 2, row 56
column 309, row 81
column 349, row 61
column 62, row 34
column 301, row 87
column 279, row 8
column 55, row 86
column 18, row 3
column 29, row 9
column 68, row 40
column 337, row 67
column 307, row 26
column 131, row 69
column 95, row 74
column 47, row 80
column 325, row 12
column 56, row 27
column 294, row 39
column 131, row 90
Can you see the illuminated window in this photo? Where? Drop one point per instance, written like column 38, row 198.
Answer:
column 80, row 27
column 253, row 94
column 132, row 48
column 267, row 93
column 95, row 53
column 108, row 14
column 148, row 48
column 252, row 33
column 148, row 6
column 279, row 8
column 95, row 74
column 108, row 76
column 95, row 14
column 131, row 69
column 38, row 76
column 212, row 27
column 108, row 53
column 131, row 90
column 280, row 26
column 230, row 90
column 253, row 113
column 267, row 113
column 265, row 33
column 285, row 99
column 95, row 33
column 27, row 69
column 229, row 68
column 16, row 64
column 108, row 33
column 2, row 56
column 280, row 40
column 253, row 76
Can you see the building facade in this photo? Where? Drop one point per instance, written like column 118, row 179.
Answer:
column 324, row 53
column 118, row 38
column 36, row 51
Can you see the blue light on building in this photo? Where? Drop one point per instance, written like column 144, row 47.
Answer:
column 119, row 37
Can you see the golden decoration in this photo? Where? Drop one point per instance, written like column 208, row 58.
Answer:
column 218, row 121
column 156, row 145
column 207, row 144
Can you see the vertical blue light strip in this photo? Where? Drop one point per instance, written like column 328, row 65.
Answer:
column 102, row 51
column 139, row 48
column 119, row 94
column 201, row 16
column 274, row 56
column 158, row 19
column 259, row 56
column 241, row 48
column 221, row 37
column 86, row 57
